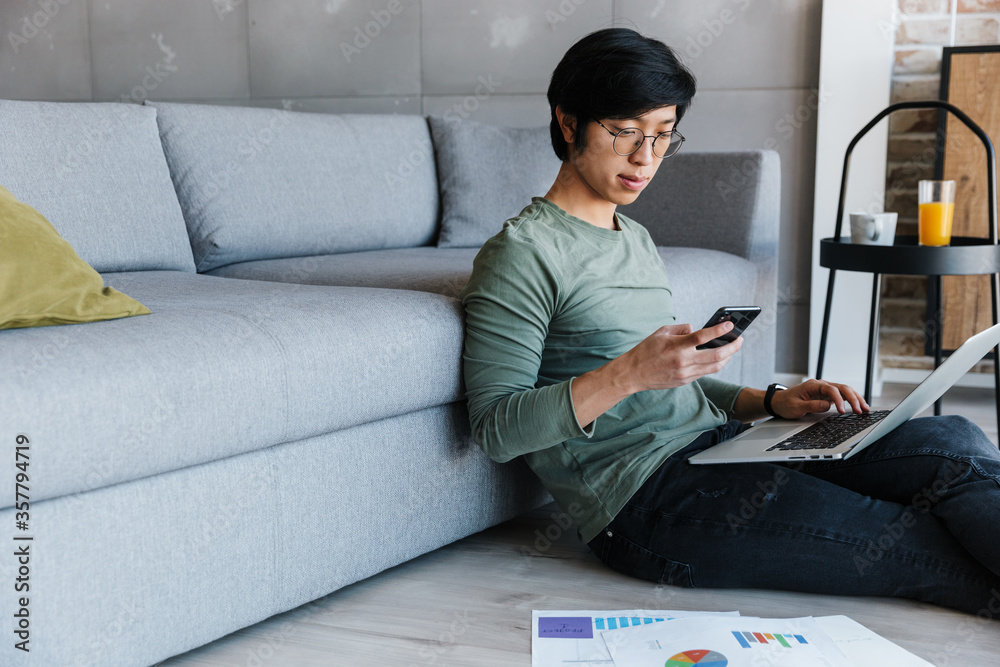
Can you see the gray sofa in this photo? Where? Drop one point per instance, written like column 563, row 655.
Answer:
column 290, row 418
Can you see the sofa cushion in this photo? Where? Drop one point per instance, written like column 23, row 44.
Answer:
column 429, row 269
column 220, row 367
column 43, row 281
column 267, row 183
column 487, row 175
column 97, row 173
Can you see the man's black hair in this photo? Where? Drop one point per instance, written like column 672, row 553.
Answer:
column 615, row 73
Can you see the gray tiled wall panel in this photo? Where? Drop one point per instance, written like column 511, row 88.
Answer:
column 518, row 42
column 45, row 53
column 332, row 48
column 507, row 110
column 173, row 50
column 225, row 103
column 736, row 43
column 387, row 105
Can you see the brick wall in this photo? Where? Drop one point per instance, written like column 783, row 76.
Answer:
column 923, row 28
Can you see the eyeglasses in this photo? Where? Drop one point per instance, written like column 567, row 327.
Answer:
column 629, row 140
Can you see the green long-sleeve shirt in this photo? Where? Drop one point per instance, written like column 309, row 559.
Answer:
column 552, row 297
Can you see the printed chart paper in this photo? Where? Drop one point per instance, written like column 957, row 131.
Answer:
column 720, row 641
column 864, row 647
column 574, row 637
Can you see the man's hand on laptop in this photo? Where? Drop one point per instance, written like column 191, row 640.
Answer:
column 817, row 396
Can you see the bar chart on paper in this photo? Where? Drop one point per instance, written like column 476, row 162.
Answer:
column 726, row 641
column 614, row 622
column 788, row 641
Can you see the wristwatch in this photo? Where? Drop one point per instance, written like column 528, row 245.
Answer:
column 776, row 386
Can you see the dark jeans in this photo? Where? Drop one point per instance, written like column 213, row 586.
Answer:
column 916, row 514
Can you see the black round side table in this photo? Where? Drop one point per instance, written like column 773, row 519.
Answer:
column 965, row 256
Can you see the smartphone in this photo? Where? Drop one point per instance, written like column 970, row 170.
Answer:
column 740, row 316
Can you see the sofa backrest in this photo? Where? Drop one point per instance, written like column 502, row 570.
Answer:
column 265, row 183
column 97, row 172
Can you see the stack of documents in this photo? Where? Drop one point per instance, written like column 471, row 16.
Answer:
column 636, row 638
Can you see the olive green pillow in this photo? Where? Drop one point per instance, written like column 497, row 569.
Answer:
column 42, row 279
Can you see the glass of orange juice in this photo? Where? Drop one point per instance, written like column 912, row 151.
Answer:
column 937, row 211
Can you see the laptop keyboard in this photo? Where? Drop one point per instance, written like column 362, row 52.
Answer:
column 831, row 431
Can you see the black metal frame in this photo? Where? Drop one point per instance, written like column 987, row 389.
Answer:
column 917, row 270
column 934, row 286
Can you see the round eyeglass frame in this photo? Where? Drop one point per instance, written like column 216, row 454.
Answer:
column 654, row 137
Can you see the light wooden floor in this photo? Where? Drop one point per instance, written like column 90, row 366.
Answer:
column 470, row 603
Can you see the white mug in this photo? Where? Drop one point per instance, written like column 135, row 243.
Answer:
column 873, row 228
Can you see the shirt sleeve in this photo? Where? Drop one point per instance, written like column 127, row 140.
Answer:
column 721, row 394
column 509, row 301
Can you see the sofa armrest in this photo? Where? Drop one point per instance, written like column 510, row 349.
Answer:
column 728, row 202
column 719, row 201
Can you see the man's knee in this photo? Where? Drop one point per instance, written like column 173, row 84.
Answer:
column 963, row 430
column 956, row 439
column 954, row 430
column 958, row 422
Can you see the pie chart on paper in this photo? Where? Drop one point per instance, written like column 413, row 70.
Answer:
column 701, row 657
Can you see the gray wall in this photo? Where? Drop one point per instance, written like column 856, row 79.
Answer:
column 757, row 63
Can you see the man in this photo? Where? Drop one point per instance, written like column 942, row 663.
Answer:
column 573, row 360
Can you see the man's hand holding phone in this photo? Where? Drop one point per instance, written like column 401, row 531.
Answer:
column 669, row 356
column 666, row 358
column 740, row 316
column 676, row 354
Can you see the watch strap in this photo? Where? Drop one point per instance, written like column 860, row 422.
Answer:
column 769, row 394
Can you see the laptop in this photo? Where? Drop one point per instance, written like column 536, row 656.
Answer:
column 832, row 437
